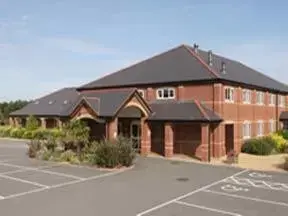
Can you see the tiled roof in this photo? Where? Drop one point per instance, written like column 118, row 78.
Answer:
column 182, row 111
column 182, row 64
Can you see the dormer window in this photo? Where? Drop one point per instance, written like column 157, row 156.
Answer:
column 141, row 92
column 66, row 102
column 50, row 102
column 166, row 93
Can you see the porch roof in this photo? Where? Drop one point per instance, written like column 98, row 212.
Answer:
column 182, row 111
column 284, row 116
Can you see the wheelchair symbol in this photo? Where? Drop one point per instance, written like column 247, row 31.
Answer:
column 233, row 188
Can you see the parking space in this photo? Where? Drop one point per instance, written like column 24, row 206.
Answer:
column 246, row 193
column 154, row 187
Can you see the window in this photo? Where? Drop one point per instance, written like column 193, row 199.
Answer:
column 260, row 98
column 281, row 101
column 166, row 93
column 229, row 94
column 246, row 129
column 141, row 92
column 260, row 128
column 246, row 96
column 271, row 99
column 272, row 126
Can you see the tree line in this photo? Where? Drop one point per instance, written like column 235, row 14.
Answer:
column 7, row 107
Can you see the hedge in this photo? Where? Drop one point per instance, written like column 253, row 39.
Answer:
column 23, row 133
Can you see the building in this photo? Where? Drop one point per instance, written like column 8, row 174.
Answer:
column 183, row 101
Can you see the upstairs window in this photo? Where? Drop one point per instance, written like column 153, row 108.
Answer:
column 272, row 100
column 166, row 93
column 260, row 98
column 141, row 92
column 246, row 96
column 281, row 101
column 229, row 94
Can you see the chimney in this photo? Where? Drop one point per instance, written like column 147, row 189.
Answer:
column 195, row 46
column 223, row 67
column 210, row 58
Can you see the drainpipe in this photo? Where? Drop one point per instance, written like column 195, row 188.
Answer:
column 209, row 143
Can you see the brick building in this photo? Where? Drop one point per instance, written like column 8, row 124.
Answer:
column 183, row 101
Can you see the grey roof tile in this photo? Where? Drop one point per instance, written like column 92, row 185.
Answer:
column 58, row 103
column 179, row 64
column 181, row 111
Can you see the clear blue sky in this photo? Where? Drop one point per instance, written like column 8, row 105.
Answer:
column 46, row 45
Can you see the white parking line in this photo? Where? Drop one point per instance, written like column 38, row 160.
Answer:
column 188, row 194
column 65, row 184
column 40, row 169
column 1, row 197
column 24, row 181
column 247, row 198
column 208, row 209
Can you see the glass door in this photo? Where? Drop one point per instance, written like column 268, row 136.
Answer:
column 135, row 133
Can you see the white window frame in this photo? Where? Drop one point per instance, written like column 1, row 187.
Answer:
column 162, row 90
column 260, row 128
column 281, row 101
column 272, row 126
column 230, row 94
column 246, row 129
column 272, row 100
column 260, row 95
column 141, row 92
column 246, row 96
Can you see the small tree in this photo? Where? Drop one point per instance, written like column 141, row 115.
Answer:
column 32, row 123
column 76, row 132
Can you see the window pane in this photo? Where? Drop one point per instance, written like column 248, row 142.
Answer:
column 171, row 93
column 160, row 94
column 165, row 93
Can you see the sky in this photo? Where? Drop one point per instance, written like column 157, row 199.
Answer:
column 50, row 44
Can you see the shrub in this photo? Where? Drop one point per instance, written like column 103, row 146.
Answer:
column 68, row 156
column 279, row 142
column 5, row 131
column 283, row 133
column 259, row 146
column 107, row 154
column 33, row 148
column 127, row 153
column 17, row 132
column 32, row 123
column 28, row 135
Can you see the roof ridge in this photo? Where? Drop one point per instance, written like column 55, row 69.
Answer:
column 201, row 109
column 201, row 61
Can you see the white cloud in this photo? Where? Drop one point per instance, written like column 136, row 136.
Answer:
column 77, row 45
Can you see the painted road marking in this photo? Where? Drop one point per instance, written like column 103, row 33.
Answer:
column 257, row 183
column 24, row 181
column 246, row 198
column 208, row 209
column 233, row 188
column 259, row 175
column 187, row 195
column 65, row 184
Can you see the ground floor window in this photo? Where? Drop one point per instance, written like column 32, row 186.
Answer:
column 260, row 128
column 246, row 129
column 272, row 126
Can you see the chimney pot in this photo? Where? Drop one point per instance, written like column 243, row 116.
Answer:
column 210, row 58
column 195, row 46
column 223, row 67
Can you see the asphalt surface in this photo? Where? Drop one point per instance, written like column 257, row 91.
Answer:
column 154, row 187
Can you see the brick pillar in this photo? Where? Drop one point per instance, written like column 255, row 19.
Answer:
column 112, row 129
column 59, row 123
column 150, row 94
column 43, row 122
column 202, row 151
column 169, row 139
column 145, row 138
column 11, row 121
column 181, row 92
column 17, row 122
column 218, row 142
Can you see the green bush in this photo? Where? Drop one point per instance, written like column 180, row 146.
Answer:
column 5, row 131
column 32, row 123
column 17, row 132
column 259, row 146
column 283, row 133
column 28, row 135
column 279, row 142
column 127, row 153
column 69, row 156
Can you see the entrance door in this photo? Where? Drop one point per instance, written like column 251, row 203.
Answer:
column 229, row 137
column 135, row 133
